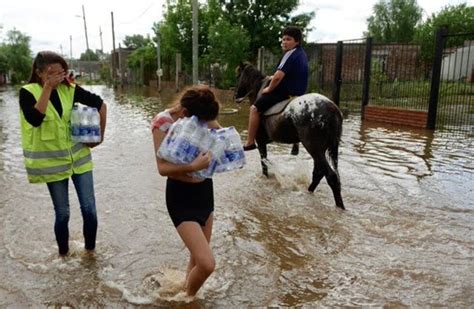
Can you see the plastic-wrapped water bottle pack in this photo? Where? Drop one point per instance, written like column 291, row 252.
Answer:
column 85, row 124
column 188, row 137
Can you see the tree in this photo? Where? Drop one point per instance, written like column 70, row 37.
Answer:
column 264, row 20
column 17, row 53
column 136, row 41
column 458, row 19
column 176, row 33
column 89, row 55
column 228, row 45
column 147, row 54
column 253, row 24
column 394, row 21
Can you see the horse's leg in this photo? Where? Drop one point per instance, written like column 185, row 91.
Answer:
column 319, row 170
column 262, row 149
column 295, row 150
column 332, row 177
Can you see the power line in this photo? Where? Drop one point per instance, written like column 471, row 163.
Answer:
column 135, row 19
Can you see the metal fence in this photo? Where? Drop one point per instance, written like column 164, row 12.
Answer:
column 455, row 91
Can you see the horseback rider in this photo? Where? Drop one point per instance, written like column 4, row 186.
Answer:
column 290, row 79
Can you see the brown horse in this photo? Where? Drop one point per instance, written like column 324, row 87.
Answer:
column 311, row 119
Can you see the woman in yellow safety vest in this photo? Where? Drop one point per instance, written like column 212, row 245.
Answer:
column 50, row 155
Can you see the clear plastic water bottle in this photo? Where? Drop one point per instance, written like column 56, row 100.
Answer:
column 75, row 124
column 85, row 125
column 95, row 125
column 234, row 150
column 207, row 143
column 169, row 142
column 218, row 150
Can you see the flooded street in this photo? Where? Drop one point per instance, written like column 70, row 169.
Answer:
column 406, row 238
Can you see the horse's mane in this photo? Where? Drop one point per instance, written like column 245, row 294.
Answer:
column 250, row 77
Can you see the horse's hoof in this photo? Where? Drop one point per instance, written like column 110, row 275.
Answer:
column 294, row 152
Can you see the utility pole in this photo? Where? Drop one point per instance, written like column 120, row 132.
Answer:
column 85, row 27
column 158, row 61
column 101, row 42
column 113, row 49
column 195, row 41
column 70, row 49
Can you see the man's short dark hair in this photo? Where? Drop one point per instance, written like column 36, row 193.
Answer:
column 294, row 32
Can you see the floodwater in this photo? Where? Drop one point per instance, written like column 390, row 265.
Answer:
column 406, row 238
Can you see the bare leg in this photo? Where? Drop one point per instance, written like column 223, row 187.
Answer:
column 254, row 121
column 195, row 240
column 207, row 230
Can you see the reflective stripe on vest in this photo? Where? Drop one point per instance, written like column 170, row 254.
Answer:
column 49, row 154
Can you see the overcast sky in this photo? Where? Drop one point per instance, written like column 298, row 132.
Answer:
column 51, row 23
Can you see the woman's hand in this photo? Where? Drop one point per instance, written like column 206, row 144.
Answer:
column 202, row 161
column 92, row 145
column 51, row 78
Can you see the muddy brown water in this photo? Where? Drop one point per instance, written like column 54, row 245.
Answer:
column 406, row 238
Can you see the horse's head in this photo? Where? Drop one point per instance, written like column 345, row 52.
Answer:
column 249, row 80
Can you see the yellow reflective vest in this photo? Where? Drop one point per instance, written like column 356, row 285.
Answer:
column 49, row 153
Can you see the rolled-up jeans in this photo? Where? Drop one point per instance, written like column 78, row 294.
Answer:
column 58, row 190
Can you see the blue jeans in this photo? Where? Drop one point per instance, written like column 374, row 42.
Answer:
column 58, row 190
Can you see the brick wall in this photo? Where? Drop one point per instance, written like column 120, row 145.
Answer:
column 396, row 116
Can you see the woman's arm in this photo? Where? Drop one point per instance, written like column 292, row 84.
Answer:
column 213, row 124
column 103, row 120
column 166, row 168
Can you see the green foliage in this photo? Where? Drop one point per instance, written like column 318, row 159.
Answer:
column 176, row 31
column 89, row 55
column 394, row 21
column 3, row 59
column 264, row 20
column 136, row 41
column 147, row 53
column 15, row 56
column 105, row 73
column 458, row 19
column 229, row 32
column 228, row 45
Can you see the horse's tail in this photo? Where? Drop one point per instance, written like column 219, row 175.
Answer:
column 333, row 149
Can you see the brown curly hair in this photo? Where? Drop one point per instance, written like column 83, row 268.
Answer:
column 201, row 102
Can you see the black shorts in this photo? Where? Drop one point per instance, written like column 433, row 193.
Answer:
column 188, row 201
column 268, row 100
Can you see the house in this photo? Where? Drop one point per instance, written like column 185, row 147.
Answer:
column 458, row 64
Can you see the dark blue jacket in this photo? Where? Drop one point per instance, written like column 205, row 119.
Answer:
column 294, row 64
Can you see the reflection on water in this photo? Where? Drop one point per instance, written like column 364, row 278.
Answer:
column 405, row 240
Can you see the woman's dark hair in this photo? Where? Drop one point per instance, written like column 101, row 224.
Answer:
column 294, row 32
column 201, row 102
column 42, row 60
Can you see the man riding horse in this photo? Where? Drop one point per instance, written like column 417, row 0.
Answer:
column 289, row 79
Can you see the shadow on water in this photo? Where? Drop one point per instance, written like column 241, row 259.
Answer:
column 405, row 240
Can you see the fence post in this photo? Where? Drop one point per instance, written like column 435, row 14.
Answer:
column 367, row 73
column 260, row 59
column 436, row 77
column 336, row 90
column 178, row 70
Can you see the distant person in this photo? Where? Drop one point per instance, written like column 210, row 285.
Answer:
column 190, row 201
column 289, row 79
column 49, row 154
